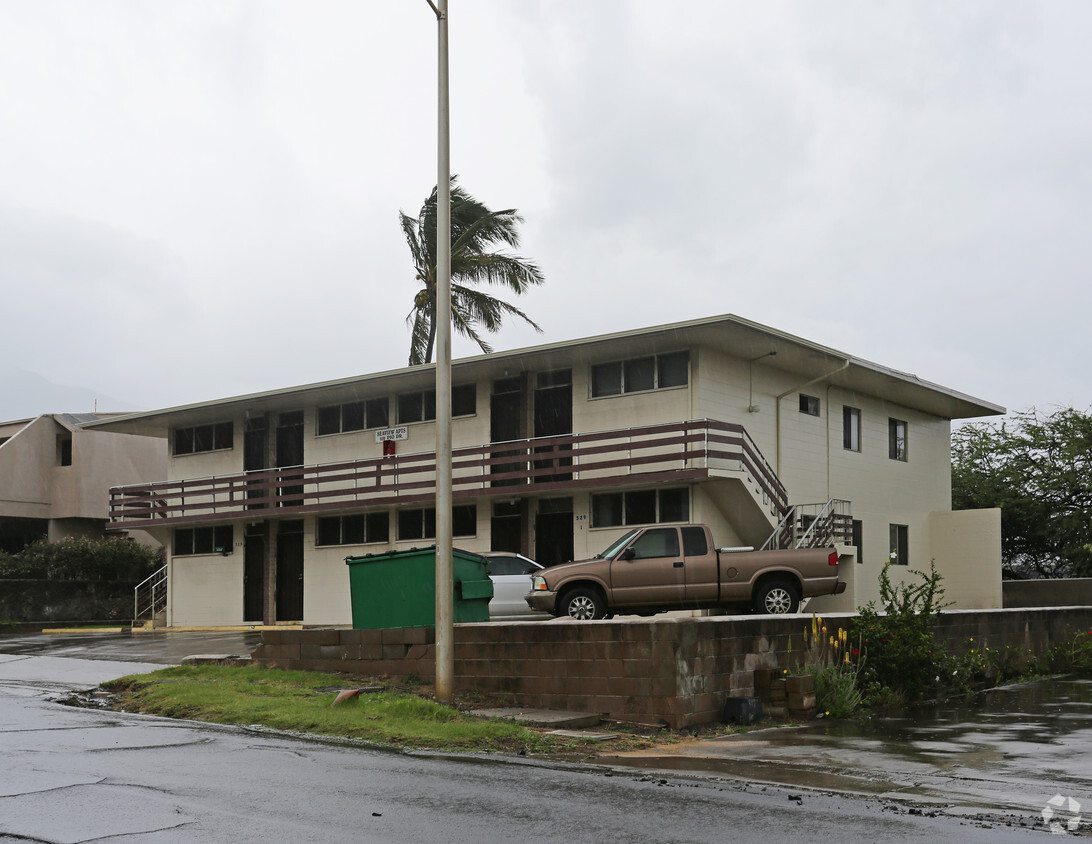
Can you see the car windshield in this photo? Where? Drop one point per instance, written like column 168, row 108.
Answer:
column 616, row 546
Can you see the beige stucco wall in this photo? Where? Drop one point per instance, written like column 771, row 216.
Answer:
column 966, row 545
column 326, row 579
column 704, row 510
column 815, row 467
column 205, row 590
column 849, row 571
column 34, row 485
column 26, row 463
column 101, row 461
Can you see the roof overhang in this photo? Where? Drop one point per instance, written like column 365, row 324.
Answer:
column 731, row 334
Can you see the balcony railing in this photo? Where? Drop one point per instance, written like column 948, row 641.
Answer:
column 622, row 457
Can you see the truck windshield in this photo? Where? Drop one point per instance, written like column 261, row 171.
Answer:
column 616, row 546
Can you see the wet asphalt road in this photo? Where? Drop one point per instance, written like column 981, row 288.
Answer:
column 1011, row 749
column 73, row 775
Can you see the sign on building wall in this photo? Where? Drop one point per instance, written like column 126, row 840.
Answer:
column 399, row 433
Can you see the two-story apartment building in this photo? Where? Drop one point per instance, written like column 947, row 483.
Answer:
column 55, row 476
column 558, row 449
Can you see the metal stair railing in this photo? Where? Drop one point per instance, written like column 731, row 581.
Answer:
column 150, row 596
column 813, row 526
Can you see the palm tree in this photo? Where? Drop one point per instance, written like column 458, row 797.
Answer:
column 475, row 230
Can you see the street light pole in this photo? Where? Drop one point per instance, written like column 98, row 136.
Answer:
column 445, row 611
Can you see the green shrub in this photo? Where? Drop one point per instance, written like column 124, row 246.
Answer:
column 837, row 691
column 114, row 558
column 1010, row 662
column 902, row 653
column 1073, row 657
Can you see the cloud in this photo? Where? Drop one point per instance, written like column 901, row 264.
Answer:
column 204, row 197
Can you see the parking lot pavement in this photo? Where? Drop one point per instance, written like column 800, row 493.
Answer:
column 157, row 648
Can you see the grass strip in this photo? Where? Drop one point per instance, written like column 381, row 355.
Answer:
column 300, row 701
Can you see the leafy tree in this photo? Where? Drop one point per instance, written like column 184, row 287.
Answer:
column 476, row 232
column 1037, row 467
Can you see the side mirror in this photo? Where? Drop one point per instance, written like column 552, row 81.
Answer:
column 629, row 554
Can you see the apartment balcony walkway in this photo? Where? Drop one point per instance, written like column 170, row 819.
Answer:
column 623, row 457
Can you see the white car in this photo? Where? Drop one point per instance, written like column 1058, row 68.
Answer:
column 511, row 576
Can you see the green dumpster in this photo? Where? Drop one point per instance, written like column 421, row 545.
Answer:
column 398, row 588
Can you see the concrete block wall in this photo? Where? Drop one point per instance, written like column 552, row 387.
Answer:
column 1064, row 592
column 673, row 671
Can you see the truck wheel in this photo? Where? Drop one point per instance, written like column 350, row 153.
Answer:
column 776, row 597
column 583, row 605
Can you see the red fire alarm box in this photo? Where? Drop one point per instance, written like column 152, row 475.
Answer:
column 388, row 448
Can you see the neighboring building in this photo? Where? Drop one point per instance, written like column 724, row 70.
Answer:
column 557, row 450
column 55, row 476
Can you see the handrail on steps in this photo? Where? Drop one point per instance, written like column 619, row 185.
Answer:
column 154, row 591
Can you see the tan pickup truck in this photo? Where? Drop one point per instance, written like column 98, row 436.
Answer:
column 655, row 569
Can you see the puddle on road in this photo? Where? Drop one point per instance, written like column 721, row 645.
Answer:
column 1001, row 748
column 1043, row 726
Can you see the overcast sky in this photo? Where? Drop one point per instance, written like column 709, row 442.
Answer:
column 201, row 199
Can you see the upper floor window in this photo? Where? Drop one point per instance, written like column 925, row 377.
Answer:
column 354, row 416
column 640, row 374
column 809, row 405
column 896, row 439
column 421, row 407
column 354, row 529
column 640, row 507
column 215, row 437
column 64, row 449
column 202, row 540
column 851, row 428
column 900, row 545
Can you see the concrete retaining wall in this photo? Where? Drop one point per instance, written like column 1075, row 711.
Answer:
column 676, row 671
column 1065, row 592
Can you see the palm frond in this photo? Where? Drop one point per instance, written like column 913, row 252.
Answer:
column 486, row 310
column 412, row 231
column 475, row 231
column 510, row 271
column 465, row 326
column 419, row 336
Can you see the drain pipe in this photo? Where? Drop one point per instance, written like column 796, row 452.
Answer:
column 777, row 404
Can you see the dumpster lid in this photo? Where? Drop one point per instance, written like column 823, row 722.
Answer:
column 352, row 560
